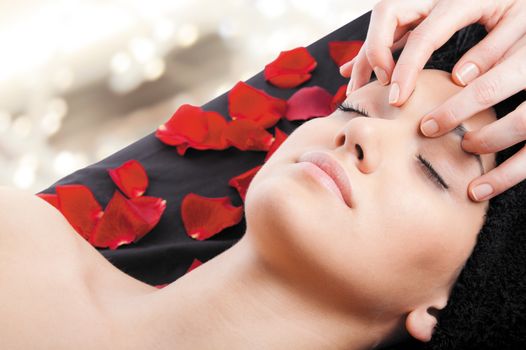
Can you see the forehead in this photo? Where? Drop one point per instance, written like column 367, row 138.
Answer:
column 433, row 87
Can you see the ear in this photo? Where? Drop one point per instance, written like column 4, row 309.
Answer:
column 421, row 322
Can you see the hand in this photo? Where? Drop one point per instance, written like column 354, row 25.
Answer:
column 498, row 58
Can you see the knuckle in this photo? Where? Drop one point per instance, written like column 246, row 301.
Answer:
column 381, row 7
column 503, row 180
column 489, row 52
column 448, row 119
column 485, row 144
column 520, row 125
column 421, row 38
column 372, row 54
column 485, row 91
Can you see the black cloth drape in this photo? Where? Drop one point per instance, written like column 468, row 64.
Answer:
column 166, row 253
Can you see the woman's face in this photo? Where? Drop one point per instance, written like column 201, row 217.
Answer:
column 405, row 238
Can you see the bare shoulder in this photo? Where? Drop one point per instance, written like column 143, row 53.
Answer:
column 31, row 225
column 43, row 299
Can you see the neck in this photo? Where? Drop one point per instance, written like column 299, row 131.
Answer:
column 236, row 301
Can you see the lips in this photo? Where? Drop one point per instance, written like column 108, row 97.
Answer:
column 330, row 166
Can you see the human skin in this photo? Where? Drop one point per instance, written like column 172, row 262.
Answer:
column 492, row 70
column 309, row 272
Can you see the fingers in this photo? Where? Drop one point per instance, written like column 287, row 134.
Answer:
column 346, row 68
column 445, row 19
column 485, row 54
column 361, row 74
column 498, row 83
column 388, row 31
column 382, row 33
column 499, row 179
column 502, row 133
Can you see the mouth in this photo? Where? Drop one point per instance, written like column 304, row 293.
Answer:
column 331, row 167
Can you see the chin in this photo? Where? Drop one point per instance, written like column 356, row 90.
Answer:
column 281, row 219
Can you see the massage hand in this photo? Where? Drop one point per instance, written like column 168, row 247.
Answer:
column 495, row 69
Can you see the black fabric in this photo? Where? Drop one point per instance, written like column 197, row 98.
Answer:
column 166, row 253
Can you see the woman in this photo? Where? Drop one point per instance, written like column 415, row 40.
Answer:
column 391, row 255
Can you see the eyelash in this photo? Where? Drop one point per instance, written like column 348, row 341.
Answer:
column 431, row 173
column 428, row 168
column 349, row 108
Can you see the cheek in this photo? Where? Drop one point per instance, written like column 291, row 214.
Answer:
column 293, row 219
column 420, row 240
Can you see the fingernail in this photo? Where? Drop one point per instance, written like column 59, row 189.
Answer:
column 482, row 191
column 467, row 73
column 393, row 94
column 429, row 127
column 381, row 75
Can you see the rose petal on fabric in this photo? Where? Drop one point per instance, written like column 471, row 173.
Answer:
column 204, row 217
column 150, row 209
column 279, row 138
column 339, row 97
column 126, row 220
column 192, row 127
column 159, row 286
column 247, row 102
column 79, row 206
column 242, row 181
column 309, row 102
column 51, row 198
column 291, row 68
column 131, row 178
column 343, row 51
column 195, row 263
column 286, row 80
column 214, row 139
column 246, row 135
column 187, row 124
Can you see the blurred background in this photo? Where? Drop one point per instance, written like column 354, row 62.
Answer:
column 82, row 79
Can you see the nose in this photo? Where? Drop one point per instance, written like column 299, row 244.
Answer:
column 360, row 138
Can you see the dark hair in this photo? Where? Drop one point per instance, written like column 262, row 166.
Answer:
column 487, row 305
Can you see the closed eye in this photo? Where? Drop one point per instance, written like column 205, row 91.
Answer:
column 425, row 165
column 349, row 108
column 431, row 173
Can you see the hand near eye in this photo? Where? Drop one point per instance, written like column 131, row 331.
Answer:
column 494, row 69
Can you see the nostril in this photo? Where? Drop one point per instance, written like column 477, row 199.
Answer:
column 360, row 151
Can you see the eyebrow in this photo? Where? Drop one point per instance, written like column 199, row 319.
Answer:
column 459, row 130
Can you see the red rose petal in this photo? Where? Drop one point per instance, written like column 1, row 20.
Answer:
column 131, row 178
column 79, row 207
column 248, row 103
column 246, row 135
column 51, row 198
column 339, row 97
column 204, row 217
column 242, row 181
column 290, row 68
column 191, row 127
column 309, row 102
column 150, row 209
column 159, row 286
column 216, row 125
column 343, row 51
column 187, row 124
column 286, row 80
column 125, row 220
column 279, row 138
column 195, row 263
